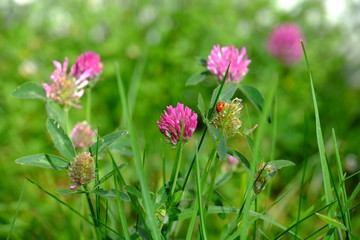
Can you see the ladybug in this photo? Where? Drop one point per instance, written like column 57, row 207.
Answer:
column 220, row 106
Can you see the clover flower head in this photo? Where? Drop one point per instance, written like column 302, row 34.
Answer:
column 64, row 88
column 87, row 62
column 284, row 43
column 219, row 59
column 82, row 135
column 81, row 170
column 227, row 118
column 177, row 123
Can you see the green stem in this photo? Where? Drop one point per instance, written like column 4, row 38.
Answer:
column 66, row 116
column 212, row 181
column 88, row 106
column 92, row 211
column 176, row 168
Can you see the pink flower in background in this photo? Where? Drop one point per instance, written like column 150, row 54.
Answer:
column 219, row 59
column 284, row 43
column 81, row 170
column 82, row 135
column 64, row 88
column 177, row 123
column 233, row 161
column 90, row 62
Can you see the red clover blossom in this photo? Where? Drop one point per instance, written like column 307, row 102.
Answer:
column 219, row 59
column 284, row 43
column 177, row 123
column 90, row 62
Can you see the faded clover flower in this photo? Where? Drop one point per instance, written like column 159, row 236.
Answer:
column 81, row 170
column 264, row 174
column 65, row 89
column 219, row 59
column 87, row 62
column 82, row 135
column 284, row 43
column 227, row 118
column 177, row 123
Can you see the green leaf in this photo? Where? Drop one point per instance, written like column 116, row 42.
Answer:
column 201, row 106
column 197, row 78
column 44, row 160
column 278, row 164
column 111, row 194
column 221, row 149
column 30, row 90
column 68, row 191
column 332, row 221
column 226, row 93
column 106, row 141
column 61, row 140
column 134, row 191
column 202, row 62
column 253, row 95
column 239, row 156
column 55, row 112
column 175, row 199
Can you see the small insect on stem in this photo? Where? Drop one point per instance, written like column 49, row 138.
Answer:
column 220, row 106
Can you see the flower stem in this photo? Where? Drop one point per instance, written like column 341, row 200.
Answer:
column 66, row 116
column 96, row 224
column 176, row 168
column 88, row 105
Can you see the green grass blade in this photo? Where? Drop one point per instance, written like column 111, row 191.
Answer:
column 199, row 199
column 341, row 180
column 302, row 220
column 17, row 211
column 321, row 146
column 352, row 196
column 60, row 201
column 332, row 221
column 119, row 199
column 256, row 157
column 148, row 204
column 305, row 160
column 211, row 111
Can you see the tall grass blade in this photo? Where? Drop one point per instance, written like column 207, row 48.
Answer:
column 256, row 157
column 341, row 180
column 145, row 191
column 199, row 199
column 305, row 159
column 119, row 200
column 17, row 211
column 321, row 146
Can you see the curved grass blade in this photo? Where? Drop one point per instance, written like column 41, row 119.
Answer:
column 17, row 211
column 60, row 201
column 332, row 221
column 319, row 136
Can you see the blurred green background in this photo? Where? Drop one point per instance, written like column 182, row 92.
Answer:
column 159, row 41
